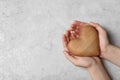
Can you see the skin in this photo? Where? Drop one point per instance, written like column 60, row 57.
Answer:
column 108, row 51
column 92, row 64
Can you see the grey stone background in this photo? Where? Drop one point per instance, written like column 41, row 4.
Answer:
column 30, row 37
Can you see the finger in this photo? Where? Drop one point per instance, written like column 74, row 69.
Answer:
column 64, row 42
column 72, row 35
column 97, row 26
column 76, row 34
column 77, row 31
column 76, row 57
column 76, row 23
column 73, row 26
column 77, row 28
column 94, row 24
column 82, row 24
column 67, row 35
column 69, row 57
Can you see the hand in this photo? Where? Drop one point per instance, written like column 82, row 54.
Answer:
column 93, row 64
column 104, row 43
column 70, row 34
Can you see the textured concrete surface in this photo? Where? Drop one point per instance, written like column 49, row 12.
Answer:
column 30, row 37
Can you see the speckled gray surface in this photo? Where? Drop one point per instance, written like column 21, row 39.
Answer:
column 30, row 37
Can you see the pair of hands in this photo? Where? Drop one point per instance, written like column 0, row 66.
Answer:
column 72, row 33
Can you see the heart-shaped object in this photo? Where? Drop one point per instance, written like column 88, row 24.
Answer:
column 87, row 44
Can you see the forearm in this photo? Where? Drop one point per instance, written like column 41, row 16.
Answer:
column 98, row 72
column 112, row 54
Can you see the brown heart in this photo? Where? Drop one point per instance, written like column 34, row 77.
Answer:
column 87, row 44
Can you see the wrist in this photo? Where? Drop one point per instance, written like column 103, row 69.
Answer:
column 95, row 65
column 106, row 51
column 98, row 72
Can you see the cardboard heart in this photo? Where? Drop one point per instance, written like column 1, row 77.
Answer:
column 87, row 44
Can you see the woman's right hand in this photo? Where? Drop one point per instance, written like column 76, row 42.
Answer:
column 103, row 39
